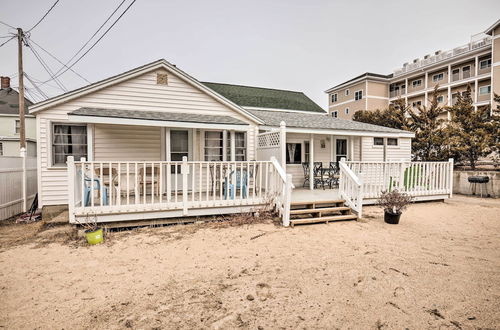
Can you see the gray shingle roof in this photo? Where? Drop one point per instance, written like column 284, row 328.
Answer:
column 157, row 115
column 9, row 102
column 259, row 97
column 317, row 121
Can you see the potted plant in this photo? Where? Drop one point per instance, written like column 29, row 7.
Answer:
column 93, row 233
column 394, row 203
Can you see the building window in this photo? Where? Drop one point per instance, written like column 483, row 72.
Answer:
column 466, row 72
column 17, row 127
column 213, row 146
column 293, row 153
column 335, row 114
column 416, row 83
column 68, row 140
column 378, row 141
column 392, row 141
column 484, row 90
column 440, row 99
column 240, row 146
column 346, row 111
column 358, row 95
column 417, row 104
column 438, row 77
column 1, row 149
column 484, row 64
column 306, row 151
column 334, row 98
column 346, row 92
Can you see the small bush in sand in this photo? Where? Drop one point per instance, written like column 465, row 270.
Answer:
column 394, row 202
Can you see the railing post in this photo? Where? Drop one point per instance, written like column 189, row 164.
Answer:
column 359, row 202
column 287, row 200
column 23, row 156
column 283, row 145
column 71, row 188
column 450, row 160
column 184, row 172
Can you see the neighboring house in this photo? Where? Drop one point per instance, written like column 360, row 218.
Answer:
column 9, row 122
column 476, row 64
column 158, row 143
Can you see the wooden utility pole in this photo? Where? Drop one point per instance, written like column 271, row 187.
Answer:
column 22, row 129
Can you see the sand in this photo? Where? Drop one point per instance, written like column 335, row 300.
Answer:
column 438, row 269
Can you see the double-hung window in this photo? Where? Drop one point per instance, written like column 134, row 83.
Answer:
column 416, row 83
column 484, row 64
column 17, row 127
column 213, row 146
column 438, row 77
column 335, row 114
column 334, row 98
column 293, row 153
column 484, row 90
column 358, row 95
column 240, row 146
column 68, row 140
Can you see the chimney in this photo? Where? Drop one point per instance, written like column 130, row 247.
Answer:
column 5, row 82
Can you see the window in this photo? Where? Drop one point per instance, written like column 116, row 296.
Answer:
column 416, row 104
column 392, row 141
column 484, row 90
column 334, row 98
column 293, row 153
column 466, row 72
column 416, row 83
column 240, row 146
column 358, row 95
column 346, row 92
column 346, row 111
column 1, row 149
column 438, row 77
column 484, row 64
column 378, row 141
column 440, row 99
column 335, row 114
column 213, row 146
column 340, row 149
column 17, row 128
column 68, row 140
column 306, row 151
column 179, row 145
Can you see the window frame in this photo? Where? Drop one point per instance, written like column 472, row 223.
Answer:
column 205, row 147
column 347, row 92
column 52, row 138
column 392, row 145
column 440, row 97
column 437, row 75
column 334, row 96
column 358, row 95
column 346, row 111
column 17, row 126
column 414, row 85
column 301, row 153
column 335, row 114
column 486, row 86
column 1, row 148
column 488, row 64
column 375, row 138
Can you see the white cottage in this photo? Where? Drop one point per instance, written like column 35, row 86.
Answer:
column 154, row 142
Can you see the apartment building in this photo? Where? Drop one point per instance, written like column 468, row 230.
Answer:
column 476, row 64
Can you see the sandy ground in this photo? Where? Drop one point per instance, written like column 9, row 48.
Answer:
column 438, row 269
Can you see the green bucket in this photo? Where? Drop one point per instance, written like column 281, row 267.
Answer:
column 94, row 237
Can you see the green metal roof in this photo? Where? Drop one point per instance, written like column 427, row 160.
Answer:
column 258, row 97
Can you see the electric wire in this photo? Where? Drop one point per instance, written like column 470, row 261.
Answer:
column 41, row 19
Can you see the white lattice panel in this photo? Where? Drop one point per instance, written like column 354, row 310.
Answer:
column 268, row 140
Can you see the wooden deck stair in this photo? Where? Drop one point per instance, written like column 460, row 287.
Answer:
column 320, row 211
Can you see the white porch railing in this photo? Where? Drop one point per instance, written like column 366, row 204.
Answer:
column 107, row 187
column 415, row 178
column 351, row 188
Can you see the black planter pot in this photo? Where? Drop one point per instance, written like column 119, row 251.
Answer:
column 392, row 218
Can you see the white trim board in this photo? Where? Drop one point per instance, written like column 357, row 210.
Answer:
column 156, row 123
column 326, row 131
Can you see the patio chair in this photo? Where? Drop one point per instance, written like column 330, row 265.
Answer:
column 333, row 175
column 87, row 189
column 305, row 168
column 241, row 178
column 149, row 179
column 318, row 175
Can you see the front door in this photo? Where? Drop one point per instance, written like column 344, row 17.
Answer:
column 341, row 149
column 180, row 146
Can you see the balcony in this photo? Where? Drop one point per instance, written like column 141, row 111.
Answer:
column 442, row 56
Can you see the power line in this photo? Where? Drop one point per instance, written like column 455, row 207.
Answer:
column 41, row 19
column 55, row 58
column 7, row 25
column 8, row 41
column 35, row 86
column 46, row 67
column 102, row 36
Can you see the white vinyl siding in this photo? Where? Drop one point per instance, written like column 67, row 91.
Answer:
column 123, row 143
column 141, row 93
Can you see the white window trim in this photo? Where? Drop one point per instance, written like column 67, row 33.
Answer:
column 356, row 93
column 50, row 165
column 1, row 148
column 15, row 126
column 440, row 97
column 487, row 87
column 347, row 92
column 413, row 85
column 336, row 98
column 437, row 74
column 336, row 114
column 346, row 111
column 378, row 145
column 386, row 142
column 487, row 66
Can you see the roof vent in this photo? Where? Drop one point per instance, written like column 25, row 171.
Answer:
column 427, row 56
column 405, row 64
column 161, row 79
column 438, row 52
column 416, row 60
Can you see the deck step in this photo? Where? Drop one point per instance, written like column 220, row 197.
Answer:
column 323, row 219
column 317, row 203
column 320, row 210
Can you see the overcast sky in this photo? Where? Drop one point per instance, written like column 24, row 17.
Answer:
column 306, row 46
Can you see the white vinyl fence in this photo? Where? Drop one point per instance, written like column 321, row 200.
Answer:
column 18, row 185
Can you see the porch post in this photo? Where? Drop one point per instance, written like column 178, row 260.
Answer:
column 224, row 143
column 283, row 145
column 450, row 160
column 71, row 188
column 311, row 162
column 233, row 146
